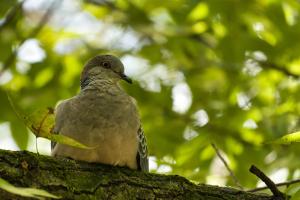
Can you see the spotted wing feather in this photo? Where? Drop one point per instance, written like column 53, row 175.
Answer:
column 142, row 156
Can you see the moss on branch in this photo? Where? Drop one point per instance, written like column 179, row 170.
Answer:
column 72, row 179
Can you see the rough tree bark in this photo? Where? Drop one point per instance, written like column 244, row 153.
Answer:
column 79, row 180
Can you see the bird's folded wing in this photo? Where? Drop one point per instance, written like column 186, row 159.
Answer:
column 142, row 156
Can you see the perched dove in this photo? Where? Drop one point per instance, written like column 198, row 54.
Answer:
column 103, row 116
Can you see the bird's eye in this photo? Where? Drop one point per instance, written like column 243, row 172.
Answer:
column 106, row 64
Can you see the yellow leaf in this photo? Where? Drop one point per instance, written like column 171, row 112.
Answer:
column 41, row 122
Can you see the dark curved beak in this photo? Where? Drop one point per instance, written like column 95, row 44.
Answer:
column 126, row 78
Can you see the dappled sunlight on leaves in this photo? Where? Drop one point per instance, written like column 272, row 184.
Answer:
column 212, row 71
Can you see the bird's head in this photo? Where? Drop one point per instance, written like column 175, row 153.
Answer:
column 105, row 67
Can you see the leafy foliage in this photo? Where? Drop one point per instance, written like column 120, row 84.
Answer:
column 288, row 139
column 216, row 71
column 26, row 192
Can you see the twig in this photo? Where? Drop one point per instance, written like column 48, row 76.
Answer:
column 11, row 14
column 36, row 146
column 270, row 184
column 202, row 40
column 101, row 3
column 11, row 58
column 282, row 69
column 287, row 183
column 227, row 167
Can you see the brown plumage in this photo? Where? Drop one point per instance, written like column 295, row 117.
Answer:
column 102, row 115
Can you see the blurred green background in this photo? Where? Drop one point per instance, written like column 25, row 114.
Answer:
column 216, row 71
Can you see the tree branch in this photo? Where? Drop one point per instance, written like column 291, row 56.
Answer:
column 72, row 179
column 271, row 185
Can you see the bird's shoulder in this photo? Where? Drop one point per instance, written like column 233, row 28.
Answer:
column 64, row 103
column 63, row 107
column 60, row 106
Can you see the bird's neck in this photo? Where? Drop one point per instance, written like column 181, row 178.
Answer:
column 100, row 84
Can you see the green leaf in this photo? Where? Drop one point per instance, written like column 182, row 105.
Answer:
column 288, row 139
column 20, row 134
column 293, row 190
column 296, row 195
column 68, row 141
column 26, row 192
